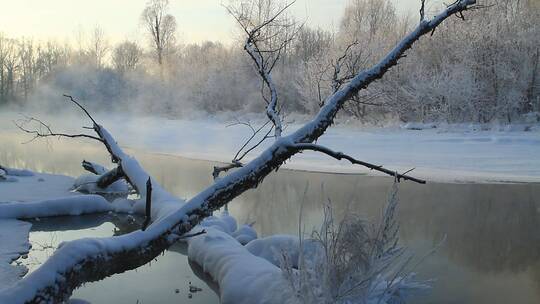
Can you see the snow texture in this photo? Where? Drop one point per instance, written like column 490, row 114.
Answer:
column 74, row 205
column 242, row 277
column 43, row 187
column 13, row 243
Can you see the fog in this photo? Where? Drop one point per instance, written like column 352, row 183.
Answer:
column 481, row 76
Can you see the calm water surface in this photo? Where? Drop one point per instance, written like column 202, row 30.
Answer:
column 491, row 252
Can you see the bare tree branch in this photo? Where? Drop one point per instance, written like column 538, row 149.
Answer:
column 340, row 156
column 81, row 107
column 261, row 47
column 44, row 130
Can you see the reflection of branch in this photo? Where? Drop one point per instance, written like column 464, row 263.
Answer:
column 339, row 156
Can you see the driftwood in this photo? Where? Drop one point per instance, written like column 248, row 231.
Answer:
column 161, row 234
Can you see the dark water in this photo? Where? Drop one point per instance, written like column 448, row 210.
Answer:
column 491, row 252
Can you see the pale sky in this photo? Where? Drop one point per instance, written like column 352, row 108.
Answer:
column 198, row 20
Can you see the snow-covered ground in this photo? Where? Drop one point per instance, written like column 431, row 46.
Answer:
column 451, row 153
column 456, row 153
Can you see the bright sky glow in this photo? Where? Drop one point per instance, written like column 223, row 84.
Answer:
column 198, row 20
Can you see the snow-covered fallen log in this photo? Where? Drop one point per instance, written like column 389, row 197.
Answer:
column 87, row 260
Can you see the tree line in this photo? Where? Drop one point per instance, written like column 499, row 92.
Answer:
column 483, row 75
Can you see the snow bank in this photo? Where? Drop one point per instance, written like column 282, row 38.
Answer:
column 446, row 153
column 13, row 243
column 16, row 172
column 32, row 186
column 272, row 248
column 74, row 205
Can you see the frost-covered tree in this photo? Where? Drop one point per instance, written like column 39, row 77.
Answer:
column 161, row 28
column 8, row 67
column 98, row 47
column 126, row 57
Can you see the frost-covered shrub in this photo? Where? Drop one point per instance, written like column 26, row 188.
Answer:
column 356, row 262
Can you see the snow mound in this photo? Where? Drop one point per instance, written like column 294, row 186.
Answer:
column 242, row 277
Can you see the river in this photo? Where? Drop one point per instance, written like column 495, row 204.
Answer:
column 486, row 235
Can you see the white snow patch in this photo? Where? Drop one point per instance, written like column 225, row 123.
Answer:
column 74, row 205
column 36, row 186
column 13, row 243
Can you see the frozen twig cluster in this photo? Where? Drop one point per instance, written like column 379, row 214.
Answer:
column 352, row 261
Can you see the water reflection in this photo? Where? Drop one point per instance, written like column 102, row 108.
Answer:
column 165, row 280
column 492, row 248
column 47, row 233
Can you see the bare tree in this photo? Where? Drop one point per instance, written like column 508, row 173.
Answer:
column 27, row 59
column 8, row 67
column 161, row 27
column 143, row 246
column 98, row 47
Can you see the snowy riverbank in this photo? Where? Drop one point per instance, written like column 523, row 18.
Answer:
column 456, row 153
